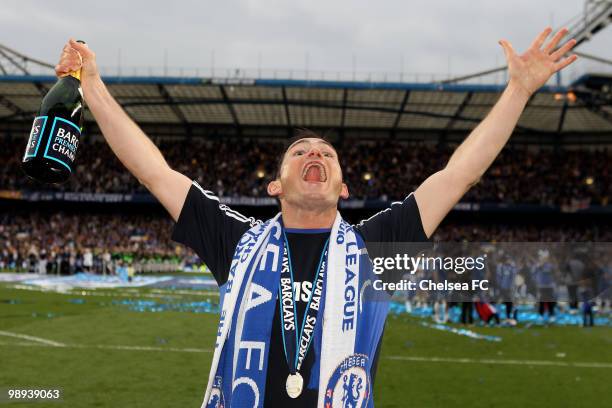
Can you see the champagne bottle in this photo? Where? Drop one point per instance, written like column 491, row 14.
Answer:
column 54, row 138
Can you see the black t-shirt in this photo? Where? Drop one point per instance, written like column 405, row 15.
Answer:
column 213, row 230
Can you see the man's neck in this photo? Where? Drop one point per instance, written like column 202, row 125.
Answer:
column 295, row 217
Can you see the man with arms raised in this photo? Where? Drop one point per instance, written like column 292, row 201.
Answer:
column 296, row 327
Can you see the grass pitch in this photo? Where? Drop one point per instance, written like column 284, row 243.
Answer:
column 114, row 357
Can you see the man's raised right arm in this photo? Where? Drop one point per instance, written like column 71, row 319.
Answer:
column 133, row 148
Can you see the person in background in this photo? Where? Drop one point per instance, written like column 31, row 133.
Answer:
column 506, row 270
column 87, row 260
column 543, row 270
column 487, row 312
column 130, row 272
column 42, row 263
column 574, row 269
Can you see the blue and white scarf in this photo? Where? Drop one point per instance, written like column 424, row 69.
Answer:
column 345, row 339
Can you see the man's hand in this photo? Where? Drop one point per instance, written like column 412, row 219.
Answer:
column 76, row 56
column 532, row 69
column 133, row 148
column 528, row 72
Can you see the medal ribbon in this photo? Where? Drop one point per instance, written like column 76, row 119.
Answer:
column 296, row 345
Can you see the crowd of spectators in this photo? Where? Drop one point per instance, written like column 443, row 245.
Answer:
column 84, row 241
column 561, row 263
column 385, row 170
column 502, row 232
column 87, row 242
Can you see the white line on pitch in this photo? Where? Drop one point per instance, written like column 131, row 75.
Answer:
column 499, row 361
column 112, row 347
column 32, row 338
column 397, row 358
column 145, row 348
column 158, row 293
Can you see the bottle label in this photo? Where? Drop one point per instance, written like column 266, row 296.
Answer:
column 35, row 135
column 63, row 142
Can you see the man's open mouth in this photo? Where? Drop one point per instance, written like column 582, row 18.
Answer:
column 314, row 172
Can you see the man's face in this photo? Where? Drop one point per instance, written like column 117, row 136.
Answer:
column 310, row 176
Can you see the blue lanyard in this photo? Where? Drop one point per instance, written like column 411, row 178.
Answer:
column 295, row 352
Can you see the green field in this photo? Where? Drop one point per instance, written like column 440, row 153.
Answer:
column 113, row 357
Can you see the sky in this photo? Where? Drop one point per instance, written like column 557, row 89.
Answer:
column 425, row 37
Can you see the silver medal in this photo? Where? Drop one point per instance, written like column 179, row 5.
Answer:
column 295, row 384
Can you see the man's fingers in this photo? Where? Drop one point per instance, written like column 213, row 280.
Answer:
column 537, row 43
column 70, row 58
column 552, row 44
column 81, row 48
column 564, row 63
column 508, row 50
column 565, row 48
column 70, row 61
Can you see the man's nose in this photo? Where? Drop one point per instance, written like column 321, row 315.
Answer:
column 314, row 152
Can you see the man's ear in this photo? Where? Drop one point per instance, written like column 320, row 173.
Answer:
column 275, row 188
column 344, row 193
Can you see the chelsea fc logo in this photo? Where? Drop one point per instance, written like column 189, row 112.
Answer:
column 216, row 396
column 349, row 384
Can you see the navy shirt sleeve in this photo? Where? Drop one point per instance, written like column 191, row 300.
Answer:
column 394, row 230
column 401, row 222
column 211, row 229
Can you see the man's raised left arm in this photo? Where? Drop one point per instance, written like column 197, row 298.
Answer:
column 439, row 193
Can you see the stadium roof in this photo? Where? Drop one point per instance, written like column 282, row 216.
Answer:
column 190, row 104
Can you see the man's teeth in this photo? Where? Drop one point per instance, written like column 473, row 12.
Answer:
column 322, row 174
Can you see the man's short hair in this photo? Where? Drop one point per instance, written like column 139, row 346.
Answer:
column 300, row 133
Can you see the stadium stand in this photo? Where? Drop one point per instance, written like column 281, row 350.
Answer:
column 386, row 171
column 228, row 134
